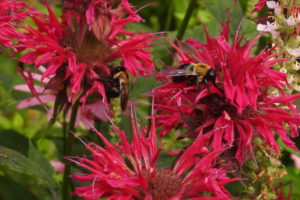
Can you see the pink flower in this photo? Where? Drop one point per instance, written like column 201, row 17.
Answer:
column 294, row 52
column 271, row 4
column 291, row 21
column 296, row 160
column 269, row 28
column 128, row 170
column 240, row 107
column 86, row 114
column 58, row 166
column 79, row 58
column 274, row 5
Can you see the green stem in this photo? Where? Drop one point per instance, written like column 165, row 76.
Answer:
column 169, row 16
column 65, row 130
column 69, row 142
column 188, row 14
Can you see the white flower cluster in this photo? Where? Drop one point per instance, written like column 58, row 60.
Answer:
column 272, row 27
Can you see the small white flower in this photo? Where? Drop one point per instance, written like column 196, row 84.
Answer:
column 269, row 27
column 294, row 52
column 274, row 5
column 296, row 67
column 291, row 21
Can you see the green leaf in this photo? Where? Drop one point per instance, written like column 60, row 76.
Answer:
column 18, row 122
column 286, row 148
column 4, row 123
column 219, row 9
column 26, row 158
column 40, row 160
column 141, row 86
column 137, row 27
column 244, row 4
column 248, row 29
column 17, row 162
column 11, row 190
column 197, row 32
column 291, row 179
column 13, row 140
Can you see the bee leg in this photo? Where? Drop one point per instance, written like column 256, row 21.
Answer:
column 206, row 83
column 215, row 85
column 198, row 86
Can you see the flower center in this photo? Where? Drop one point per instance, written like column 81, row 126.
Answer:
column 216, row 104
column 92, row 51
column 163, row 185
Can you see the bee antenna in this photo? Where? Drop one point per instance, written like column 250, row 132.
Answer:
column 79, row 138
column 162, row 62
column 142, row 7
column 170, row 52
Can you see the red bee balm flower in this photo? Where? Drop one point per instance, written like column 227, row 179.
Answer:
column 10, row 12
column 239, row 105
column 80, row 58
column 128, row 171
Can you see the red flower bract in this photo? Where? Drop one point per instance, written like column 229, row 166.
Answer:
column 128, row 170
column 259, row 6
column 241, row 107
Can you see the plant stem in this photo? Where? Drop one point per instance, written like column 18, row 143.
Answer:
column 69, row 143
column 187, row 16
column 65, row 130
column 169, row 16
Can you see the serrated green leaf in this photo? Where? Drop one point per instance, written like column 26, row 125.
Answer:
column 17, row 162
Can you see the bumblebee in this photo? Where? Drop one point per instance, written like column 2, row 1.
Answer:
column 195, row 73
column 117, row 85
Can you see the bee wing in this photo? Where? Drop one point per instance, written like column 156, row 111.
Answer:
column 179, row 72
column 190, row 50
column 124, row 91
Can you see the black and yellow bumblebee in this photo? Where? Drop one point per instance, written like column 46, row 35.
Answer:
column 117, row 85
column 194, row 73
